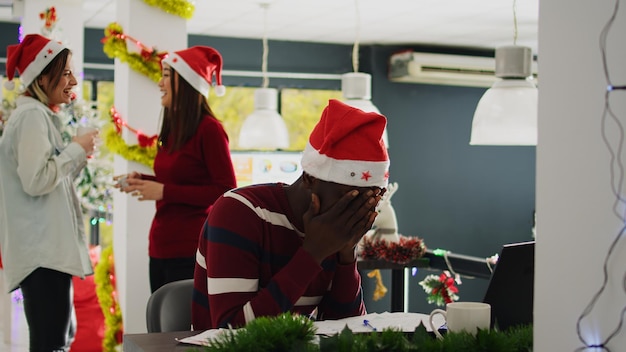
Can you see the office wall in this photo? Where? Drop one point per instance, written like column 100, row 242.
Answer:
column 467, row 199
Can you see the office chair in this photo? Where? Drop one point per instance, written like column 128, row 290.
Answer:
column 169, row 307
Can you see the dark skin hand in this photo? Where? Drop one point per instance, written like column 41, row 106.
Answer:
column 341, row 226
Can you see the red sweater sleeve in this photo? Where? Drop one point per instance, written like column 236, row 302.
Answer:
column 212, row 141
column 345, row 298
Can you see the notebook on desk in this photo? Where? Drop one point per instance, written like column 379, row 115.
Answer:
column 510, row 290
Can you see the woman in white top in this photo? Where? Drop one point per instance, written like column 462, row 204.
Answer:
column 42, row 238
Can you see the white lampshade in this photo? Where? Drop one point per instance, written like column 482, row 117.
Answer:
column 264, row 129
column 507, row 112
column 356, row 88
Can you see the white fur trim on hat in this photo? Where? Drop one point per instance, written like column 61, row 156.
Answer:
column 43, row 58
column 198, row 82
column 346, row 172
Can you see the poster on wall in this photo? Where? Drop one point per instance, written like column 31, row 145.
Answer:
column 254, row 167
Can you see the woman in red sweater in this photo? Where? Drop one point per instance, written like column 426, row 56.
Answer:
column 192, row 167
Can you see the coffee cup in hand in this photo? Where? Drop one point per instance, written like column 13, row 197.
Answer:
column 82, row 130
column 463, row 316
column 122, row 182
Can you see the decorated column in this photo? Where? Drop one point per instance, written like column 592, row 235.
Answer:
column 137, row 103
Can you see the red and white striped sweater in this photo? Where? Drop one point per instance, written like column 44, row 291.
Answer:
column 250, row 263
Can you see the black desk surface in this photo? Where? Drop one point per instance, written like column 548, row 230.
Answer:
column 158, row 342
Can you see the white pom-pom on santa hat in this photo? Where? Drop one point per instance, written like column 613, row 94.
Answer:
column 197, row 65
column 346, row 146
column 30, row 58
column 220, row 90
column 9, row 85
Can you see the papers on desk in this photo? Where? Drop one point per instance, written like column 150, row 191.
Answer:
column 203, row 338
column 405, row 322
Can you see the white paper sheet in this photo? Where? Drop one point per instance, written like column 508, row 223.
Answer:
column 405, row 322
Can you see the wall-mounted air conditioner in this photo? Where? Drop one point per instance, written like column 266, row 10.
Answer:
column 446, row 69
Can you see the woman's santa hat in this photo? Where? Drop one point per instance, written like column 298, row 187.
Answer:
column 30, row 58
column 346, row 147
column 197, row 65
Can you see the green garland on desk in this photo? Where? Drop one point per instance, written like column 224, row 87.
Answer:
column 288, row 332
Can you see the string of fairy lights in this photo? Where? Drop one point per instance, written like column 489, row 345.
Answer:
column 616, row 168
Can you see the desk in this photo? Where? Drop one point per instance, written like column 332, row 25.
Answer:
column 157, row 342
column 162, row 342
column 462, row 264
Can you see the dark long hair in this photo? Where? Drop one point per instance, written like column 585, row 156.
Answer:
column 55, row 71
column 182, row 118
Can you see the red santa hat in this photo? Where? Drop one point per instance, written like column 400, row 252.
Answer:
column 197, row 66
column 30, row 57
column 347, row 147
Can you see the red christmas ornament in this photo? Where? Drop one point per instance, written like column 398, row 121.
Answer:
column 142, row 139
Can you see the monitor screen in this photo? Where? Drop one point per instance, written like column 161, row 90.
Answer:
column 510, row 290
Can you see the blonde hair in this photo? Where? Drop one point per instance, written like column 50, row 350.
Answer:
column 35, row 90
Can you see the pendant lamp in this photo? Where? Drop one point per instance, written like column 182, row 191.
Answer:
column 507, row 112
column 264, row 129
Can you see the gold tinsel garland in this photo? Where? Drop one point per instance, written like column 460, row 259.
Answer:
column 380, row 291
column 181, row 8
column 147, row 62
column 104, row 278
column 116, row 144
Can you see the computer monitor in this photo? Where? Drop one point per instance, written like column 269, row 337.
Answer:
column 510, row 290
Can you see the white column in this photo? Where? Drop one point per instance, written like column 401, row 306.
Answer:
column 576, row 176
column 69, row 28
column 137, row 100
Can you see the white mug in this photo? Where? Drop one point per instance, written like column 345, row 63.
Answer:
column 81, row 130
column 463, row 316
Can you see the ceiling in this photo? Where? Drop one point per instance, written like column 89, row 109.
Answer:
column 459, row 23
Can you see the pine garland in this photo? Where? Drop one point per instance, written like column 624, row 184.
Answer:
column 181, row 8
column 104, row 278
column 287, row 332
column 147, row 62
column 116, row 144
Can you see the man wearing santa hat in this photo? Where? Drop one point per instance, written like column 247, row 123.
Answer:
column 274, row 248
column 42, row 238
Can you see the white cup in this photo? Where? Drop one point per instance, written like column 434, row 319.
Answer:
column 81, row 130
column 463, row 316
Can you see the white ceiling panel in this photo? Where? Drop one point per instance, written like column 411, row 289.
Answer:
column 466, row 23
